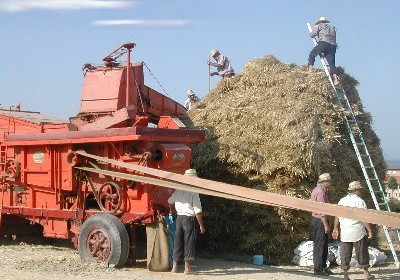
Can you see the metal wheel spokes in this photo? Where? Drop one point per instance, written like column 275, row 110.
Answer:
column 98, row 245
column 110, row 197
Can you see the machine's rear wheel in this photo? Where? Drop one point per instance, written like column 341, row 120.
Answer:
column 103, row 238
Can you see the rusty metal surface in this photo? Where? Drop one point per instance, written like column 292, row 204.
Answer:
column 33, row 117
column 261, row 197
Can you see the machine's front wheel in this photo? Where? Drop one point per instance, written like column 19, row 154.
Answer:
column 103, row 238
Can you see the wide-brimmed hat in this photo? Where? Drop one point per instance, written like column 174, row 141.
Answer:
column 324, row 177
column 214, row 52
column 322, row 19
column 191, row 172
column 190, row 92
column 355, row 185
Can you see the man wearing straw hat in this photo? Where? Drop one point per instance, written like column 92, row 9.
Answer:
column 326, row 45
column 188, row 209
column 320, row 226
column 224, row 67
column 353, row 233
column 192, row 98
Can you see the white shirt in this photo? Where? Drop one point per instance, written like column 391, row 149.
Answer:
column 225, row 66
column 351, row 230
column 190, row 101
column 186, row 203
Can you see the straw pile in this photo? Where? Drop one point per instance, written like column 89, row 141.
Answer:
column 274, row 127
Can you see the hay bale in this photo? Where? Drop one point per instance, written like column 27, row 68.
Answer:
column 274, row 127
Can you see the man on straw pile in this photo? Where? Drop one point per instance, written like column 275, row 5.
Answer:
column 320, row 226
column 353, row 233
column 326, row 35
column 188, row 209
column 192, row 98
column 224, row 67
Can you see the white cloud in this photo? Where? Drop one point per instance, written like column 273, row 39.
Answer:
column 166, row 22
column 23, row 5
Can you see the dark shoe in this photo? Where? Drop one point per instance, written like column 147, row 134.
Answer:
column 320, row 272
column 327, row 270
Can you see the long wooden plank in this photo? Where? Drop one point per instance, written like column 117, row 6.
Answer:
column 163, row 183
column 209, row 187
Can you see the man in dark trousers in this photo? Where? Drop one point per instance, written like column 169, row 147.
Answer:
column 320, row 226
column 326, row 35
column 188, row 209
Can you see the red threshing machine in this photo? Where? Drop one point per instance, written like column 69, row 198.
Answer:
column 71, row 179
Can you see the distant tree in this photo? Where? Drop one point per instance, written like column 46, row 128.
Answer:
column 394, row 205
column 392, row 183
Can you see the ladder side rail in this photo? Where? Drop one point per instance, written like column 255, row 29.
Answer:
column 375, row 174
column 360, row 160
column 369, row 159
column 367, row 178
column 391, row 245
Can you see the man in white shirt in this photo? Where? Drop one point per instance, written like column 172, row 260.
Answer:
column 224, row 67
column 188, row 209
column 192, row 98
column 353, row 233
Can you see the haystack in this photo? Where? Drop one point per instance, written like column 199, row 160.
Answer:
column 274, row 127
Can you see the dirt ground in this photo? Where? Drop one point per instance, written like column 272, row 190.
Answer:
column 59, row 260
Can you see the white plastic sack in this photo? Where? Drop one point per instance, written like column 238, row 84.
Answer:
column 375, row 257
column 304, row 248
column 303, row 254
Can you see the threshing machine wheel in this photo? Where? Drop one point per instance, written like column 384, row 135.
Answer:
column 110, row 197
column 103, row 238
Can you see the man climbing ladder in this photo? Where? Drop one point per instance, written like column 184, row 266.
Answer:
column 326, row 45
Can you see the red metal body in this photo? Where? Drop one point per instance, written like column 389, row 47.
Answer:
column 38, row 182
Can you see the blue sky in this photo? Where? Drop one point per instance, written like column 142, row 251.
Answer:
column 44, row 44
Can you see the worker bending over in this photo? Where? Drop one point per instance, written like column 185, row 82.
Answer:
column 192, row 98
column 224, row 67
